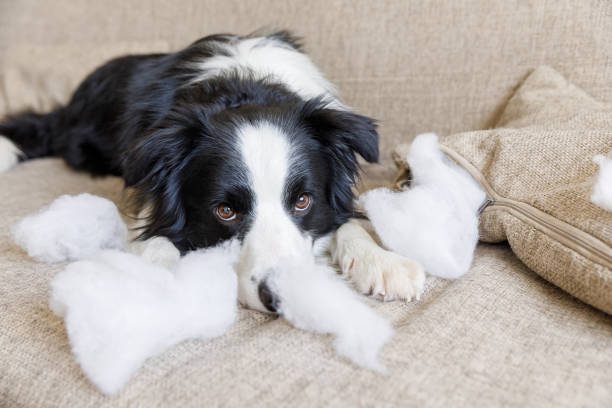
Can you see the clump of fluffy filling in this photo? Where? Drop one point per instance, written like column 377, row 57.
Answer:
column 602, row 190
column 71, row 228
column 435, row 221
column 120, row 310
column 313, row 298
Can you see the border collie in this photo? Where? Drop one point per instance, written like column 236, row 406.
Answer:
column 230, row 137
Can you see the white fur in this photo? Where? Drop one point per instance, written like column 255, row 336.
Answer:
column 9, row 154
column 435, row 222
column 119, row 310
column 321, row 246
column 273, row 235
column 271, row 58
column 602, row 190
column 71, row 228
column 313, row 298
column 384, row 274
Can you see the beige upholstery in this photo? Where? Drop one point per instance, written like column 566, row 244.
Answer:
column 500, row 336
column 536, row 165
column 443, row 65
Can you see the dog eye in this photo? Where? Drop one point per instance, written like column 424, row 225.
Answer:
column 303, row 202
column 225, row 213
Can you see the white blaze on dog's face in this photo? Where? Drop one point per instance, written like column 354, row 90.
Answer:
column 274, row 235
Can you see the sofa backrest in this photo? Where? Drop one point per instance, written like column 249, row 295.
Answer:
column 443, row 66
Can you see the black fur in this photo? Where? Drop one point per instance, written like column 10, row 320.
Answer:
column 143, row 118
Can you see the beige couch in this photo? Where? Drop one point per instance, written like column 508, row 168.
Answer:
column 500, row 336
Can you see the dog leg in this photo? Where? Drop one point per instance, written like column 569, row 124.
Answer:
column 374, row 270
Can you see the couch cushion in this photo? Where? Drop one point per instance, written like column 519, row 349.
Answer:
column 537, row 168
column 498, row 336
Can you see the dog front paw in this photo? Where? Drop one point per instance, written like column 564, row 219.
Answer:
column 383, row 274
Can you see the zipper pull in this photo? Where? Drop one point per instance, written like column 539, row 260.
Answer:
column 487, row 202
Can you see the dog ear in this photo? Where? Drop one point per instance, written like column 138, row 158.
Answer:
column 342, row 134
column 153, row 168
column 336, row 129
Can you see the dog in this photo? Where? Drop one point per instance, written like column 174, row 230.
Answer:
column 231, row 137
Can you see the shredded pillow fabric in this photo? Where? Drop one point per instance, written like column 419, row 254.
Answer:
column 435, row 221
column 546, row 197
column 71, row 228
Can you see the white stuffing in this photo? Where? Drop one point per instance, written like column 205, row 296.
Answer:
column 157, row 250
column 602, row 190
column 119, row 310
column 71, row 228
column 435, row 221
column 312, row 297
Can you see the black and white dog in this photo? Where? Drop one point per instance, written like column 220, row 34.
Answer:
column 230, row 137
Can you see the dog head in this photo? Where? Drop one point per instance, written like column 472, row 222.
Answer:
column 257, row 164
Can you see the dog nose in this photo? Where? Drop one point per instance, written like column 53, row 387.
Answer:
column 267, row 297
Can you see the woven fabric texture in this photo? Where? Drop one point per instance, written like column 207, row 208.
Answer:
column 500, row 336
column 540, row 155
column 417, row 66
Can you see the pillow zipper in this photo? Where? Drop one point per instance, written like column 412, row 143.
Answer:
column 564, row 233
